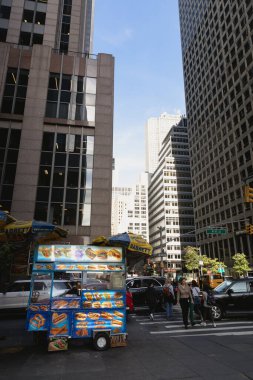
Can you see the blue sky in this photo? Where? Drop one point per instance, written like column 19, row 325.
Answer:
column 144, row 38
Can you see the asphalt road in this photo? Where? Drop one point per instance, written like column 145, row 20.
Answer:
column 156, row 350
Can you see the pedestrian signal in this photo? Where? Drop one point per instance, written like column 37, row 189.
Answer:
column 248, row 194
column 249, row 229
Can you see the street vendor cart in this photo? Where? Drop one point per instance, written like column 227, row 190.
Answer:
column 94, row 306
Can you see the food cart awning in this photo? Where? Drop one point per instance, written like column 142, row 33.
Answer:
column 132, row 242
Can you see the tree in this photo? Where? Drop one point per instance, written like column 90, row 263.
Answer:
column 241, row 264
column 212, row 264
column 191, row 258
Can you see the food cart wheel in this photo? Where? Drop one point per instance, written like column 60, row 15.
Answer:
column 101, row 341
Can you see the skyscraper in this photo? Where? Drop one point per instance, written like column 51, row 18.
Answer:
column 56, row 117
column 217, row 38
column 171, row 218
column 155, row 131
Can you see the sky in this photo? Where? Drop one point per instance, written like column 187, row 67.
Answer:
column 144, row 38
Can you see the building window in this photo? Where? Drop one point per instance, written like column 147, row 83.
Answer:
column 9, row 147
column 3, row 34
column 5, row 12
column 65, row 26
column 65, row 179
column 71, row 97
column 15, row 91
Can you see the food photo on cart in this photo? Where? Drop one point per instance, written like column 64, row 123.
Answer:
column 94, row 307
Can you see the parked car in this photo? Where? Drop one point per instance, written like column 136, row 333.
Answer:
column 17, row 294
column 138, row 286
column 233, row 297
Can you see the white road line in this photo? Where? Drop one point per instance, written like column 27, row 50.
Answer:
column 202, row 329
column 237, row 333
column 197, row 324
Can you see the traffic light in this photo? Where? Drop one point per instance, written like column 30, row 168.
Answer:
column 248, row 194
column 249, row 229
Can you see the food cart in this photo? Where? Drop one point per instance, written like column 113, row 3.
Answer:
column 94, row 306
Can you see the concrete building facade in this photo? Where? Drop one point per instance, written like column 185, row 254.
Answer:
column 171, row 216
column 130, row 208
column 156, row 129
column 56, row 117
column 217, row 47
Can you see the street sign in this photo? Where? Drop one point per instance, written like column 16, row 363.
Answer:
column 216, row 230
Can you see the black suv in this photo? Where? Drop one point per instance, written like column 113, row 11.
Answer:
column 233, row 297
column 138, row 286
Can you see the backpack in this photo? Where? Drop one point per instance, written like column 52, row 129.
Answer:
column 168, row 296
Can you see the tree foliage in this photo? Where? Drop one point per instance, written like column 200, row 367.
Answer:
column 192, row 259
column 241, row 264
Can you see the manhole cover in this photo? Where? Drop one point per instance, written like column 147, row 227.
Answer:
column 11, row 350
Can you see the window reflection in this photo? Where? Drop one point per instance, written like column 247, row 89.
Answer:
column 65, row 155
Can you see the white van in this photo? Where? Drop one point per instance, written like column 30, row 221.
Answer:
column 17, row 294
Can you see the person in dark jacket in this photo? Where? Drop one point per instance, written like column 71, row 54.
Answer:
column 151, row 297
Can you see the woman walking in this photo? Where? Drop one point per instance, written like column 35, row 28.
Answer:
column 184, row 296
column 196, row 299
column 169, row 297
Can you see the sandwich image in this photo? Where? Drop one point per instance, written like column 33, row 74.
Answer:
column 90, row 253
column 87, row 304
column 93, row 316
column 107, row 304
column 102, row 254
column 97, row 296
column 118, row 295
column 80, row 316
column 44, row 307
column 119, row 303
column 88, row 296
column 96, row 304
column 58, row 318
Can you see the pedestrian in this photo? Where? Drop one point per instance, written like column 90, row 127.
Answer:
column 191, row 309
column 207, row 307
column 184, row 297
column 169, row 298
column 196, row 299
column 152, row 299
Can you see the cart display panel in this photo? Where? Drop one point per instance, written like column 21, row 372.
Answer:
column 77, row 291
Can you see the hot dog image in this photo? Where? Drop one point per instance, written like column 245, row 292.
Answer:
column 117, row 322
column 106, row 315
column 118, row 314
column 82, row 332
column 114, row 253
column 58, row 318
column 60, row 304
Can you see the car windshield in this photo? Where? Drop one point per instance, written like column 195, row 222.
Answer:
column 223, row 287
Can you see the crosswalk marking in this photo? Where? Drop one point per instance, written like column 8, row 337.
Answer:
column 176, row 323
column 236, row 333
column 203, row 329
